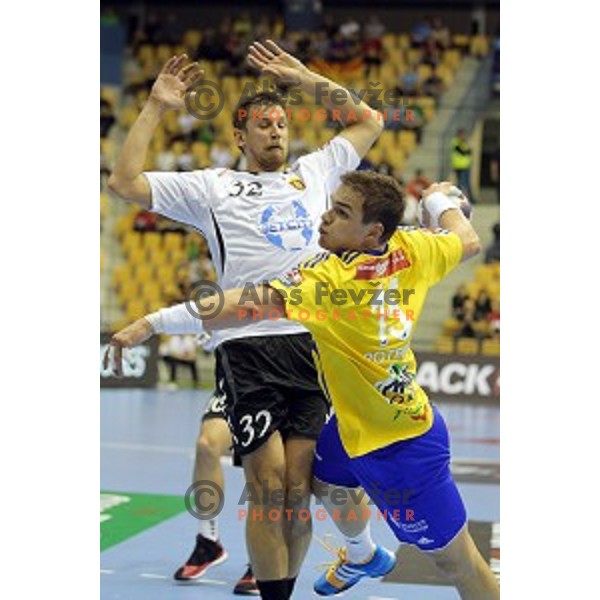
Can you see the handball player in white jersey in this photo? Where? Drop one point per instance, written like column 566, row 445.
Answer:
column 257, row 224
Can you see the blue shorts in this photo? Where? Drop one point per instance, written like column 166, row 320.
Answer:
column 409, row 482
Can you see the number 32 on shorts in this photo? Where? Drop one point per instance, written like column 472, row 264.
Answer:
column 254, row 427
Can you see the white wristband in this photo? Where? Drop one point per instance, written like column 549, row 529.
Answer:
column 175, row 320
column 436, row 204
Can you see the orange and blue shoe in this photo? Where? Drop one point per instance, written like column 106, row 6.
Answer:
column 342, row 574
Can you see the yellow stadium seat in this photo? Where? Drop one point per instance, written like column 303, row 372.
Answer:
column 136, row 309
column 152, row 292
column 473, row 289
column 484, row 275
column 444, row 345
column 467, row 346
column 121, row 274
column 389, row 41
column 414, row 56
column 131, row 241
column 165, row 274
column 493, row 289
column 407, row 140
column 173, row 241
column 451, row 326
column 480, row 46
column 152, row 243
column 129, row 290
column 375, row 154
column 491, row 347
column 137, row 256
column 423, row 72
column 403, row 41
column 125, row 224
column 396, row 158
column 451, row 59
column 144, row 273
column 460, row 40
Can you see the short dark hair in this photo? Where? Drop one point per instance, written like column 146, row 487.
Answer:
column 244, row 107
column 383, row 199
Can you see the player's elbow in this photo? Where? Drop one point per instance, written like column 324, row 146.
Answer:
column 134, row 190
column 117, row 186
column 471, row 245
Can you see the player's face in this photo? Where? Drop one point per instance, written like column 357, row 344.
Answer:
column 342, row 227
column 266, row 138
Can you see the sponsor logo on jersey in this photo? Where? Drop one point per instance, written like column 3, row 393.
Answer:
column 292, row 278
column 382, row 267
column 289, row 227
column 297, row 183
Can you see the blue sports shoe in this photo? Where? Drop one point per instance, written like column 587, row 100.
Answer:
column 342, row 575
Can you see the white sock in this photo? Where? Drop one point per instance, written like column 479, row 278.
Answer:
column 360, row 548
column 209, row 528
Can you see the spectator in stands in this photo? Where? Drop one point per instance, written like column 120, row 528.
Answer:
column 433, row 85
column 420, row 34
column 186, row 161
column 166, row 160
column 220, row 155
column 374, row 28
column 409, row 81
column 494, row 319
column 440, row 34
column 179, row 351
column 461, row 162
column 187, row 126
column 467, row 320
column 417, row 184
column 483, row 306
column 492, row 252
column 458, row 301
column 413, row 118
column 145, row 221
column 372, row 50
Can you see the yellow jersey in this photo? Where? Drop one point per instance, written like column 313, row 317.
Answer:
column 361, row 310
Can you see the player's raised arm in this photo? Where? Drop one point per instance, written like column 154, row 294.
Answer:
column 242, row 306
column 362, row 131
column 446, row 214
column 168, row 91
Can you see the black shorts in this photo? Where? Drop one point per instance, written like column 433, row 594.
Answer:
column 270, row 384
column 215, row 407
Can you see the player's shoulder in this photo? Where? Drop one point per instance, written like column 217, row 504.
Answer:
column 411, row 232
column 320, row 154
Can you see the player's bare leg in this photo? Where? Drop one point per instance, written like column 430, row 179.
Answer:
column 265, row 468
column 299, row 453
column 342, row 512
column 214, row 439
column 461, row 563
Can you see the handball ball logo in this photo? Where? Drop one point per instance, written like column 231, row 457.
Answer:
column 204, row 100
column 204, row 300
column 289, row 228
column 204, row 500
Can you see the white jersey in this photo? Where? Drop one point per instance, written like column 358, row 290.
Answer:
column 257, row 225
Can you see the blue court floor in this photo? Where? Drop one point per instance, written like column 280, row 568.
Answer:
column 147, row 440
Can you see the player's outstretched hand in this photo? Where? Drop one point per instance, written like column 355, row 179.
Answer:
column 172, row 82
column 133, row 335
column 270, row 59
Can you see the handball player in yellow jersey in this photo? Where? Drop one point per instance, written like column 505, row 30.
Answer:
column 361, row 300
